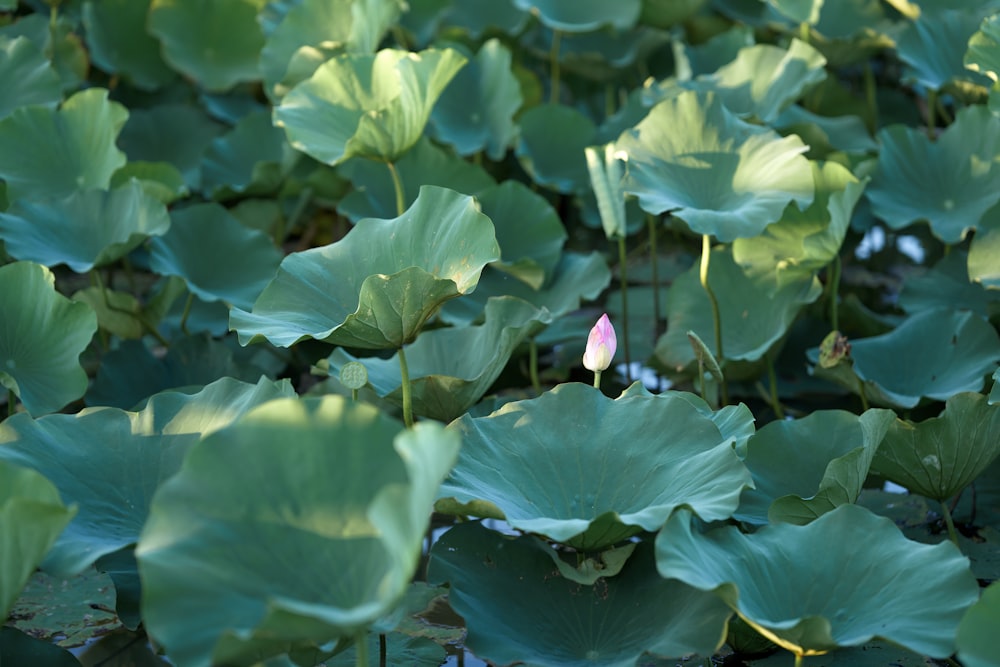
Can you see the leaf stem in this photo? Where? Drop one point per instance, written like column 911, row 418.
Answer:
column 948, row 521
column 301, row 203
column 804, row 31
column 11, row 403
column 554, row 67
column 187, row 313
column 871, row 98
column 651, row 221
column 834, row 288
column 931, row 107
column 404, row 372
column 383, row 650
column 706, row 254
column 536, row 383
column 361, row 649
column 772, row 379
column 798, row 660
column 863, row 394
column 397, row 185
column 623, row 284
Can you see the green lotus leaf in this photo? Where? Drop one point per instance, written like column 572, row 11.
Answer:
column 373, row 106
column 42, row 339
column 304, row 482
column 764, row 80
column 716, row 52
column 950, row 182
column 478, row 17
column 606, row 172
column 583, row 15
column 109, row 462
column 325, row 25
column 983, row 53
column 216, row 43
column 983, row 267
column 118, row 313
column 667, row 13
column 583, row 469
column 178, row 134
column 529, row 231
column 804, row 468
column 476, row 111
column 86, row 229
column 217, row 256
column 934, row 47
column 71, row 148
column 120, row 43
column 852, row 21
column 753, row 316
column 376, row 287
column 946, row 285
column 31, row 518
column 552, row 144
column 801, row 243
column 601, row 55
column 27, row 75
column 977, row 632
column 722, row 176
column 933, row 354
column 401, row 649
column 132, row 373
column 517, row 610
column 252, row 157
column 160, row 180
column 995, row 392
column 19, row 648
column 59, row 39
column 424, row 164
column 799, row 11
column 826, row 134
column 795, row 594
column 450, row 369
column 939, row 457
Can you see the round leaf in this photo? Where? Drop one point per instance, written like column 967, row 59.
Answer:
column 586, row 470
column 376, row 287
column 722, row 176
column 518, row 610
column 252, row 156
column 300, row 523
column 795, row 593
column 120, row 43
column 583, row 15
column 27, row 75
column 551, row 149
column 977, row 632
column 983, row 54
column 375, row 106
column 934, row 47
column 43, row 335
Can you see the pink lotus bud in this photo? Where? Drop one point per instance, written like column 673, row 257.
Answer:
column 601, row 345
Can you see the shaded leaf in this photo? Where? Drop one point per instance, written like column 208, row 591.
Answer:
column 934, row 47
column 27, row 76
column 252, row 156
column 583, row 15
column 551, row 146
column 977, row 632
column 120, row 43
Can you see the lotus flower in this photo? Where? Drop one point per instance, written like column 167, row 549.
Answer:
column 601, row 345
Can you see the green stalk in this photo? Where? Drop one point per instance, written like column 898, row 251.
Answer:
column 597, row 379
column 651, row 222
column 404, row 372
column 361, row 649
column 834, row 288
column 536, row 383
column 397, row 185
column 772, row 378
column 870, row 98
column 931, row 107
column 383, row 650
column 798, row 660
column 300, row 207
column 11, row 403
column 863, row 394
column 804, row 32
column 623, row 270
column 187, row 313
column 706, row 255
column 952, row 533
column 554, row 67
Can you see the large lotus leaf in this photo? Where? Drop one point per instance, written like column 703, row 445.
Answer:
column 799, row 11
column 583, row 469
column 826, row 134
column 175, row 133
column 950, row 182
column 722, row 176
column 400, row 649
column 59, row 39
column 934, row 47
column 110, row 462
column 54, row 152
column 804, row 468
column 518, row 610
column 216, row 255
column 373, row 106
column 753, row 316
column 933, row 354
column 764, row 80
column 324, row 25
column 552, row 144
column 215, row 42
column 977, row 632
column 940, row 456
column 481, row 16
column 120, row 44
column 31, row 518
column 20, row 648
column 983, row 266
column 983, row 53
column 376, row 287
column 424, row 164
column 86, row 229
column 252, row 156
column 601, row 55
column 947, row 285
column 809, row 591
column 476, row 110
column 236, row 555
column 802, row 242
column 606, row 180
column 43, row 335
column 583, row 15
column 161, row 181
column 26, row 75
column 450, row 369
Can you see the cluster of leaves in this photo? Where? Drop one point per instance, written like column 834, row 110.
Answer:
column 281, row 280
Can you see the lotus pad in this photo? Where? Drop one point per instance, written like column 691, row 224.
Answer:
column 375, row 106
column 300, row 523
column 693, row 157
column 27, row 75
column 806, row 589
column 377, row 286
column 43, row 335
column 583, row 469
column 120, row 44
column 518, row 610
column 977, row 632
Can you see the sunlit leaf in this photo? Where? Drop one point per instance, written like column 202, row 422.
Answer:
column 606, row 172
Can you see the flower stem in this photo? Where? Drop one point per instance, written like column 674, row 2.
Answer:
column 834, row 287
column 536, row 383
column 397, row 185
column 383, row 649
column 187, row 312
column 870, row 98
column 952, row 533
column 623, row 284
column 772, row 379
column 798, row 660
column 554, row 67
column 361, row 649
column 651, row 221
column 706, row 254
column 597, row 379
column 404, row 372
